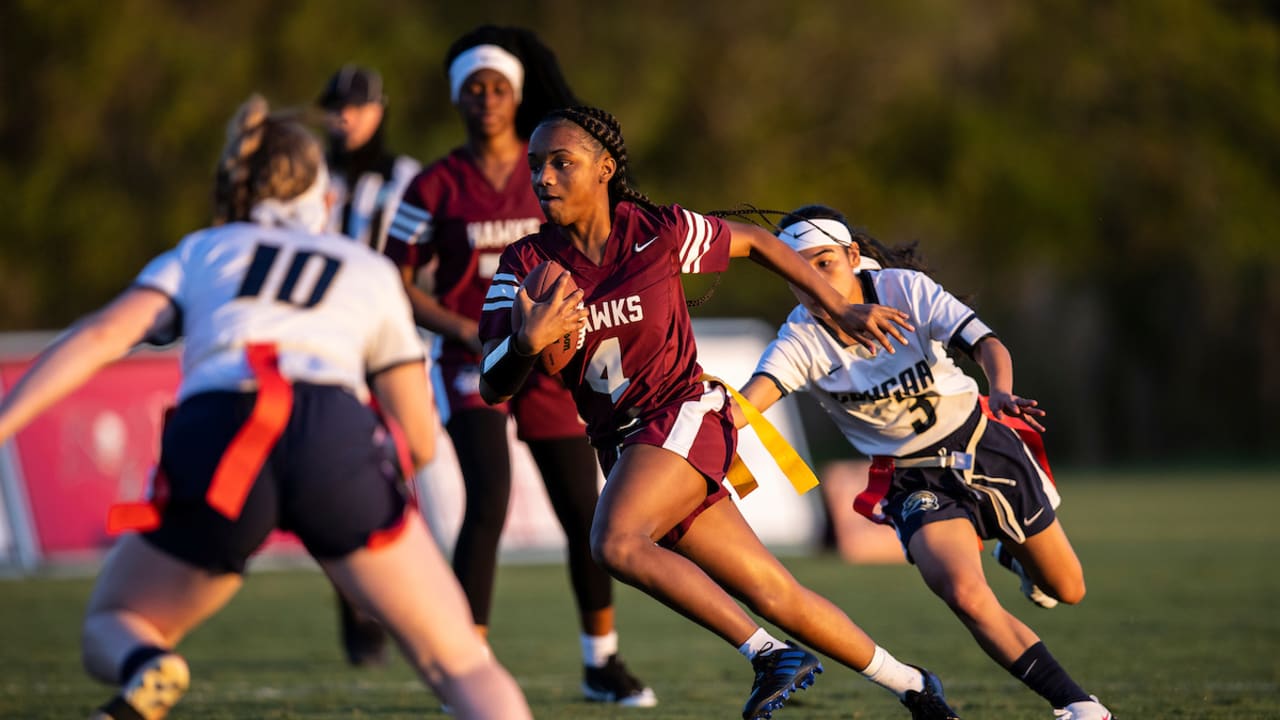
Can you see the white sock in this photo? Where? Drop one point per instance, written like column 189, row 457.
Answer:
column 597, row 649
column 760, row 641
column 896, row 677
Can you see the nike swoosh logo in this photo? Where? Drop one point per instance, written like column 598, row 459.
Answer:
column 1027, row 521
column 641, row 246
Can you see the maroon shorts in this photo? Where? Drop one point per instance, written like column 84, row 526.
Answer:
column 701, row 431
column 543, row 409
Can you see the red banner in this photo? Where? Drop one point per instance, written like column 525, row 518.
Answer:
column 94, row 448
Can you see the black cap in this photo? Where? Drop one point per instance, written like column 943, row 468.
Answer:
column 351, row 85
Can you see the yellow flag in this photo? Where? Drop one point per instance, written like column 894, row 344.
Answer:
column 789, row 461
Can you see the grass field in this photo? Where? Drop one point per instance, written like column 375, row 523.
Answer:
column 1182, row 621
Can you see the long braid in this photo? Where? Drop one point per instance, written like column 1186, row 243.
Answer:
column 606, row 130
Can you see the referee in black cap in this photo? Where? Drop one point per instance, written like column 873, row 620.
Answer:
column 368, row 179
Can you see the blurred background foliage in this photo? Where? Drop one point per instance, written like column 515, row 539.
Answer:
column 1103, row 182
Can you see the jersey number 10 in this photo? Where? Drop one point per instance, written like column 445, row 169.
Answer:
column 265, row 258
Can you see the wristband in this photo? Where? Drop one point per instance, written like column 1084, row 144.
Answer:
column 505, row 369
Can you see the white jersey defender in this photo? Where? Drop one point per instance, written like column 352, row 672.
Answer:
column 890, row 404
column 309, row 294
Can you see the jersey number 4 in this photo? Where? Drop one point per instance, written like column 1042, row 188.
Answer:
column 289, row 288
column 604, row 371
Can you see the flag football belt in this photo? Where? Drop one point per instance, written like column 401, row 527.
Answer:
column 789, row 461
column 241, row 461
column 880, row 476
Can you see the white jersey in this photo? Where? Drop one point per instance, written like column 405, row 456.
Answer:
column 368, row 208
column 889, row 404
column 336, row 310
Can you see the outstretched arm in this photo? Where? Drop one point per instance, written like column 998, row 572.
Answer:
column 867, row 324
column 761, row 392
column 90, row 344
column 997, row 363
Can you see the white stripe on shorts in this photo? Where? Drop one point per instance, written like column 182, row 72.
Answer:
column 689, row 422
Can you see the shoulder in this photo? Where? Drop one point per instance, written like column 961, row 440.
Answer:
column 799, row 325
column 529, row 250
column 405, row 168
column 442, row 171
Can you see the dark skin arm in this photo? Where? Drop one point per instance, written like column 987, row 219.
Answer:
column 430, row 314
column 540, row 325
column 868, row 325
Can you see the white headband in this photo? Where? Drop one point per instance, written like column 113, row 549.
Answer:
column 485, row 57
column 819, row 232
column 815, row 232
column 306, row 212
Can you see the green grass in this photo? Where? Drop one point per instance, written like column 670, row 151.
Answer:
column 1182, row 621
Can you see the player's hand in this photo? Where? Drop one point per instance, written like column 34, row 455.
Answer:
column 470, row 336
column 1002, row 403
column 870, row 325
column 546, row 322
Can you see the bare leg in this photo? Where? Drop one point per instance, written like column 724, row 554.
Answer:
column 144, row 596
column 751, row 573
column 410, row 588
column 1051, row 561
column 950, row 561
column 649, row 491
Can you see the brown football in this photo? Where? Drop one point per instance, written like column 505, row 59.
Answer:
column 539, row 284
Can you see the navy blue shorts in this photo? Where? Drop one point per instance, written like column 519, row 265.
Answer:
column 1008, row 496
column 332, row 479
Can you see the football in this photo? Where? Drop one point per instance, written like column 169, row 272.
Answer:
column 539, row 284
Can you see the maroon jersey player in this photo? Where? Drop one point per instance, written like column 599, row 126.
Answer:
column 625, row 371
column 664, row 436
column 461, row 213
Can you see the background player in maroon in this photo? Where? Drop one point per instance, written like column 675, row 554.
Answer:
column 461, row 213
column 664, row 436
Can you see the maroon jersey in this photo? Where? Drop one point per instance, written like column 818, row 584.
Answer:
column 450, row 211
column 639, row 354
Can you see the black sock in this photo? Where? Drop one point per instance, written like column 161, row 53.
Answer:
column 1042, row 673
column 138, row 657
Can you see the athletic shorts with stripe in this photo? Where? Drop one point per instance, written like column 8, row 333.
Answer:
column 699, row 430
column 332, row 479
column 1009, row 497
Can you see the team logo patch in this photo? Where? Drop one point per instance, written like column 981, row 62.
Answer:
column 919, row 501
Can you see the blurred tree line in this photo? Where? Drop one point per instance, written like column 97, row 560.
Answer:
column 1104, row 182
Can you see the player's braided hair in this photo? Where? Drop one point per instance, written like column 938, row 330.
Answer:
column 605, row 129
column 544, row 87
column 267, row 155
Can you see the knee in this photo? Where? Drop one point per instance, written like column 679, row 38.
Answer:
column 617, row 552
column 771, row 595
column 969, row 598
column 1070, row 591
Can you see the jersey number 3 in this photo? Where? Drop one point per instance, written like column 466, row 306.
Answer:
column 265, row 257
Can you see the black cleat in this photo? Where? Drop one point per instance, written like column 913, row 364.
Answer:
column 929, row 703
column 154, row 688
column 612, row 683
column 363, row 639
column 779, row 672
